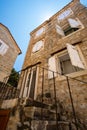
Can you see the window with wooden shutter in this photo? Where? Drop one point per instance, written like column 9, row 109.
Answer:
column 34, row 48
column 59, row 30
column 68, row 26
column 3, row 48
column 39, row 32
column 74, row 56
column 65, row 14
column 71, row 26
column 73, row 23
column 38, row 46
column 71, row 60
column 52, row 67
column 66, row 66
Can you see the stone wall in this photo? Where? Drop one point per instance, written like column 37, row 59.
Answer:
column 55, row 44
column 26, row 118
column 52, row 40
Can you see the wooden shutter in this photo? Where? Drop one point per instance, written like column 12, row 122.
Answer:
column 52, row 67
column 59, row 30
column 34, row 48
column 37, row 46
column 4, row 116
column 65, row 14
column 74, row 23
column 74, row 56
column 39, row 32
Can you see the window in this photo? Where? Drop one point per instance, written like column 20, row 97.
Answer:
column 3, row 48
column 66, row 66
column 66, row 62
column 70, row 61
column 68, row 26
column 74, row 25
column 38, row 45
column 29, row 83
column 69, row 30
column 65, row 14
column 40, row 31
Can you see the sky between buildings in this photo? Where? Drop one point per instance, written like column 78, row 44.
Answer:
column 23, row 16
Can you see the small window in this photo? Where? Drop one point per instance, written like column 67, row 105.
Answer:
column 66, row 66
column 38, row 45
column 3, row 47
column 68, row 26
column 65, row 14
column 40, row 31
column 69, row 30
column 72, row 26
column 71, row 61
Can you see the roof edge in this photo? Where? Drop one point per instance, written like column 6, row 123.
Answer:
column 53, row 16
column 19, row 50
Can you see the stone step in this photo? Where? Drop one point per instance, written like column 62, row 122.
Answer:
column 30, row 102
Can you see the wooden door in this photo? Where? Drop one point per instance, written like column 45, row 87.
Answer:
column 4, row 116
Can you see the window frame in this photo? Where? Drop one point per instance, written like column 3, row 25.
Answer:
column 73, row 74
column 25, row 89
column 36, row 46
column 70, row 30
column 3, row 48
column 63, row 62
column 64, row 14
column 74, row 29
column 68, row 26
column 39, row 32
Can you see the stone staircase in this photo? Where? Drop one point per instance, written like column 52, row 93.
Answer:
column 30, row 114
column 45, row 114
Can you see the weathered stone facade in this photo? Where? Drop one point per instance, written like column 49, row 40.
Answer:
column 51, row 93
column 9, row 51
column 20, row 117
column 55, row 45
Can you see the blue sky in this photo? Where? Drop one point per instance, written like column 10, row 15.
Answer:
column 23, row 16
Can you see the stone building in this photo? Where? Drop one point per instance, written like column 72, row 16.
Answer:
column 9, row 51
column 60, row 45
column 53, row 80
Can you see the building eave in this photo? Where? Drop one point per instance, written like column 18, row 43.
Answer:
column 18, row 49
column 44, row 23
